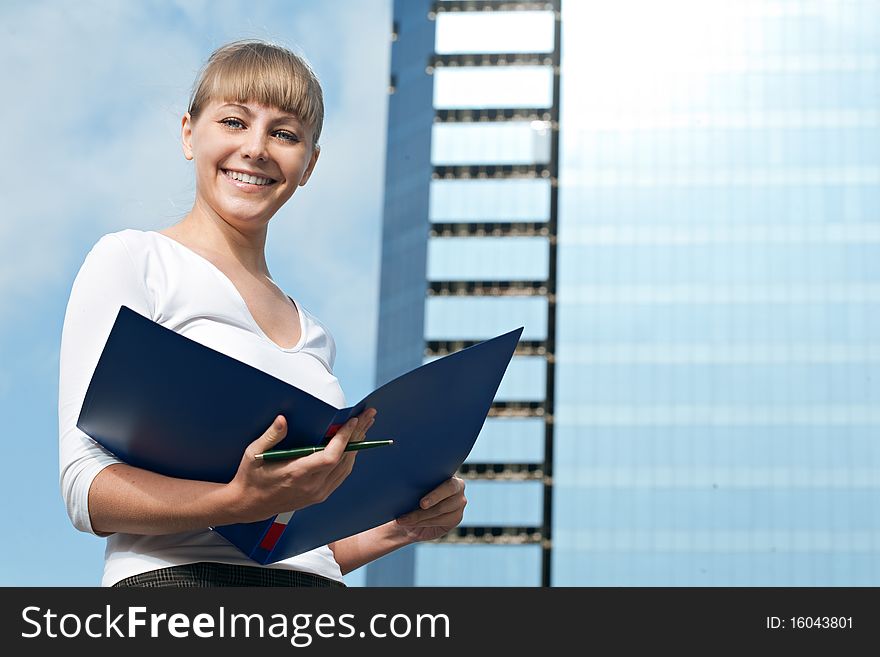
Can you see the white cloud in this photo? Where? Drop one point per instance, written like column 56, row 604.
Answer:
column 92, row 142
column 92, row 122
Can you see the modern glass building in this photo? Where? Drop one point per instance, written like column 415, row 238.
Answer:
column 680, row 201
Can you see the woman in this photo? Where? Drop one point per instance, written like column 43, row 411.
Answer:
column 252, row 132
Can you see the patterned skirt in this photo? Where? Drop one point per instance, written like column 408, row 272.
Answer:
column 205, row 574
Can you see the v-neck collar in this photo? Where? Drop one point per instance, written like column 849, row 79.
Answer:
column 240, row 299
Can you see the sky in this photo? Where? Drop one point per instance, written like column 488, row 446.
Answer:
column 95, row 91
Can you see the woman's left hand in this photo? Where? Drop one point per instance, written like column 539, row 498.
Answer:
column 441, row 510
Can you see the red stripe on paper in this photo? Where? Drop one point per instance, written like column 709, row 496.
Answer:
column 332, row 430
column 272, row 536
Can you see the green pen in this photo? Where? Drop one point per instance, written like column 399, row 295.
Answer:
column 283, row 454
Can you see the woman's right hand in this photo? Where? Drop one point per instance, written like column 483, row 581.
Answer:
column 262, row 489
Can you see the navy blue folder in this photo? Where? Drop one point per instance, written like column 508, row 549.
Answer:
column 161, row 401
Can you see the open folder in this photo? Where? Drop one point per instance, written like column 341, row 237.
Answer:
column 163, row 402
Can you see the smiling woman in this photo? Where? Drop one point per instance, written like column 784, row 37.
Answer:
column 251, row 159
column 254, row 119
column 251, row 131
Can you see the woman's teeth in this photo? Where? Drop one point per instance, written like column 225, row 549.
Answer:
column 243, row 177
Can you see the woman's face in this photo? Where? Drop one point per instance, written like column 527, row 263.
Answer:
column 249, row 159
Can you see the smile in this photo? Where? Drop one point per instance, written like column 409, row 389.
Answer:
column 248, row 179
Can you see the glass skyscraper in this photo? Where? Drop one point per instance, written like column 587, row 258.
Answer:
column 680, row 201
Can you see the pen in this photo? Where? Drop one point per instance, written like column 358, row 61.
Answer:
column 283, row 454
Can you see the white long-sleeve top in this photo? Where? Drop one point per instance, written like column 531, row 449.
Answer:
column 169, row 283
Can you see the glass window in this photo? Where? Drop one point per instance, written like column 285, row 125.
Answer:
column 705, row 203
column 480, row 318
column 488, row 87
column 778, row 324
column 513, row 142
column 752, row 262
column 488, row 259
column 739, row 385
column 717, row 369
column 439, row 564
column 509, row 440
column 518, row 199
column 494, row 31
column 503, row 503
column 525, row 380
column 701, row 452
column 628, row 502
column 769, row 563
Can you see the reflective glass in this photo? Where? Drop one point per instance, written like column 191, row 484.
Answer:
column 513, row 142
column 524, row 380
column 710, row 563
column 717, row 295
column 480, row 87
column 517, row 199
column 494, row 31
column 480, row 318
column 509, row 440
column 488, row 259
column 503, row 503
column 478, row 565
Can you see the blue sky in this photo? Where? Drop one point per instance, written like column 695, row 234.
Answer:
column 95, row 92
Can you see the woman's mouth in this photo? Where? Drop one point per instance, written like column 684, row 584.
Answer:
column 247, row 181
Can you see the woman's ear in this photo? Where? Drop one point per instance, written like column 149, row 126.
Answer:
column 316, row 151
column 186, row 136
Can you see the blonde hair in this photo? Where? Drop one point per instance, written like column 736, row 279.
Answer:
column 264, row 73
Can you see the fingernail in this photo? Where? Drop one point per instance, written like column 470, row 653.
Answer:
column 278, row 424
column 354, row 421
column 426, row 503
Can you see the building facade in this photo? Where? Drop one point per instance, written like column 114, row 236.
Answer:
column 680, row 203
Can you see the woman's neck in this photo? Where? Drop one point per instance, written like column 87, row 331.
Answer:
column 217, row 237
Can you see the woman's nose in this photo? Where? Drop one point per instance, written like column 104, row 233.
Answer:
column 254, row 147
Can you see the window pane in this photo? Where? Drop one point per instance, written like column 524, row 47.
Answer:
column 488, row 259
column 495, row 31
column 478, row 87
column 779, row 261
column 503, row 503
column 490, row 200
column 509, row 440
column 524, row 380
column 514, row 142
column 716, row 324
column 478, row 565
column 739, row 385
column 480, row 318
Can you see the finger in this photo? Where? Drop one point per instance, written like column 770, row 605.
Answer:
column 447, row 520
column 322, row 459
column 336, row 447
column 448, row 505
column 346, row 463
column 365, row 421
column 271, row 437
column 361, row 432
column 446, row 489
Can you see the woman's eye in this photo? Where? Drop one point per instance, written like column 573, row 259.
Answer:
column 236, row 124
